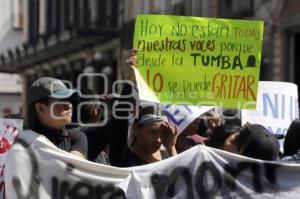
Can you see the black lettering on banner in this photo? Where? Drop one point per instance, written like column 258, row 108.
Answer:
column 61, row 188
column 270, row 170
column 159, row 184
column 256, row 178
column 2, row 189
column 110, row 192
column 164, row 186
column 82, row 190
column 208, row 180
column 55, row 189
column 235, row 171
column 229, row 185
column 34, row 182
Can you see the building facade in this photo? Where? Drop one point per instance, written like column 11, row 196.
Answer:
column 10, row 94
column 10, row 84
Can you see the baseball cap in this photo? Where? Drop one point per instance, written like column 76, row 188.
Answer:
column 258, row 142
column 46, row 87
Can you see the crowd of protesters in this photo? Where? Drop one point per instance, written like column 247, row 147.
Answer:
column 53, row 112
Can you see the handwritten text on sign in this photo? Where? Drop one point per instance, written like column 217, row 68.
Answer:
column 199, row 60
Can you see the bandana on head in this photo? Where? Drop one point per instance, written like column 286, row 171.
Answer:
column 150, row 118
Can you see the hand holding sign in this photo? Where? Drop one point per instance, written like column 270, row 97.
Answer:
column 132, row 61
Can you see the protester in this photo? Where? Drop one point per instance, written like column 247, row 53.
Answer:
column 220, row 135
column 87, row 113
column 86, row 110
column 212, row 120
column 253, row 140
column 50, row 112
column 189, row 137
column 110, row 136
column 291, row 147
column 151, row 130
column 115, row 132
column 107, row 137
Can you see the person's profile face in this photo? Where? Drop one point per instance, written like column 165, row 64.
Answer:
column 56, row 113
column 60, row 109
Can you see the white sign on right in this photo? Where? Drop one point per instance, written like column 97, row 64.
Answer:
column 277, row 107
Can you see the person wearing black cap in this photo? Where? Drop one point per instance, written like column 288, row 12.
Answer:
column 49, row 113
column 291, row 146
column 253, row 141
column 257, row 142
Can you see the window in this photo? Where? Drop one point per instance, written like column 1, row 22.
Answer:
column 235, row 8
column 17, row 14
column 179, row 9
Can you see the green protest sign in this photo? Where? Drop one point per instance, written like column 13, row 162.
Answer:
column 202, row 61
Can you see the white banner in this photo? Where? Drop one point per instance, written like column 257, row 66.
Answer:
column 182, row 115
column 9, row 129
column 37, row 169
column 277, row 107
